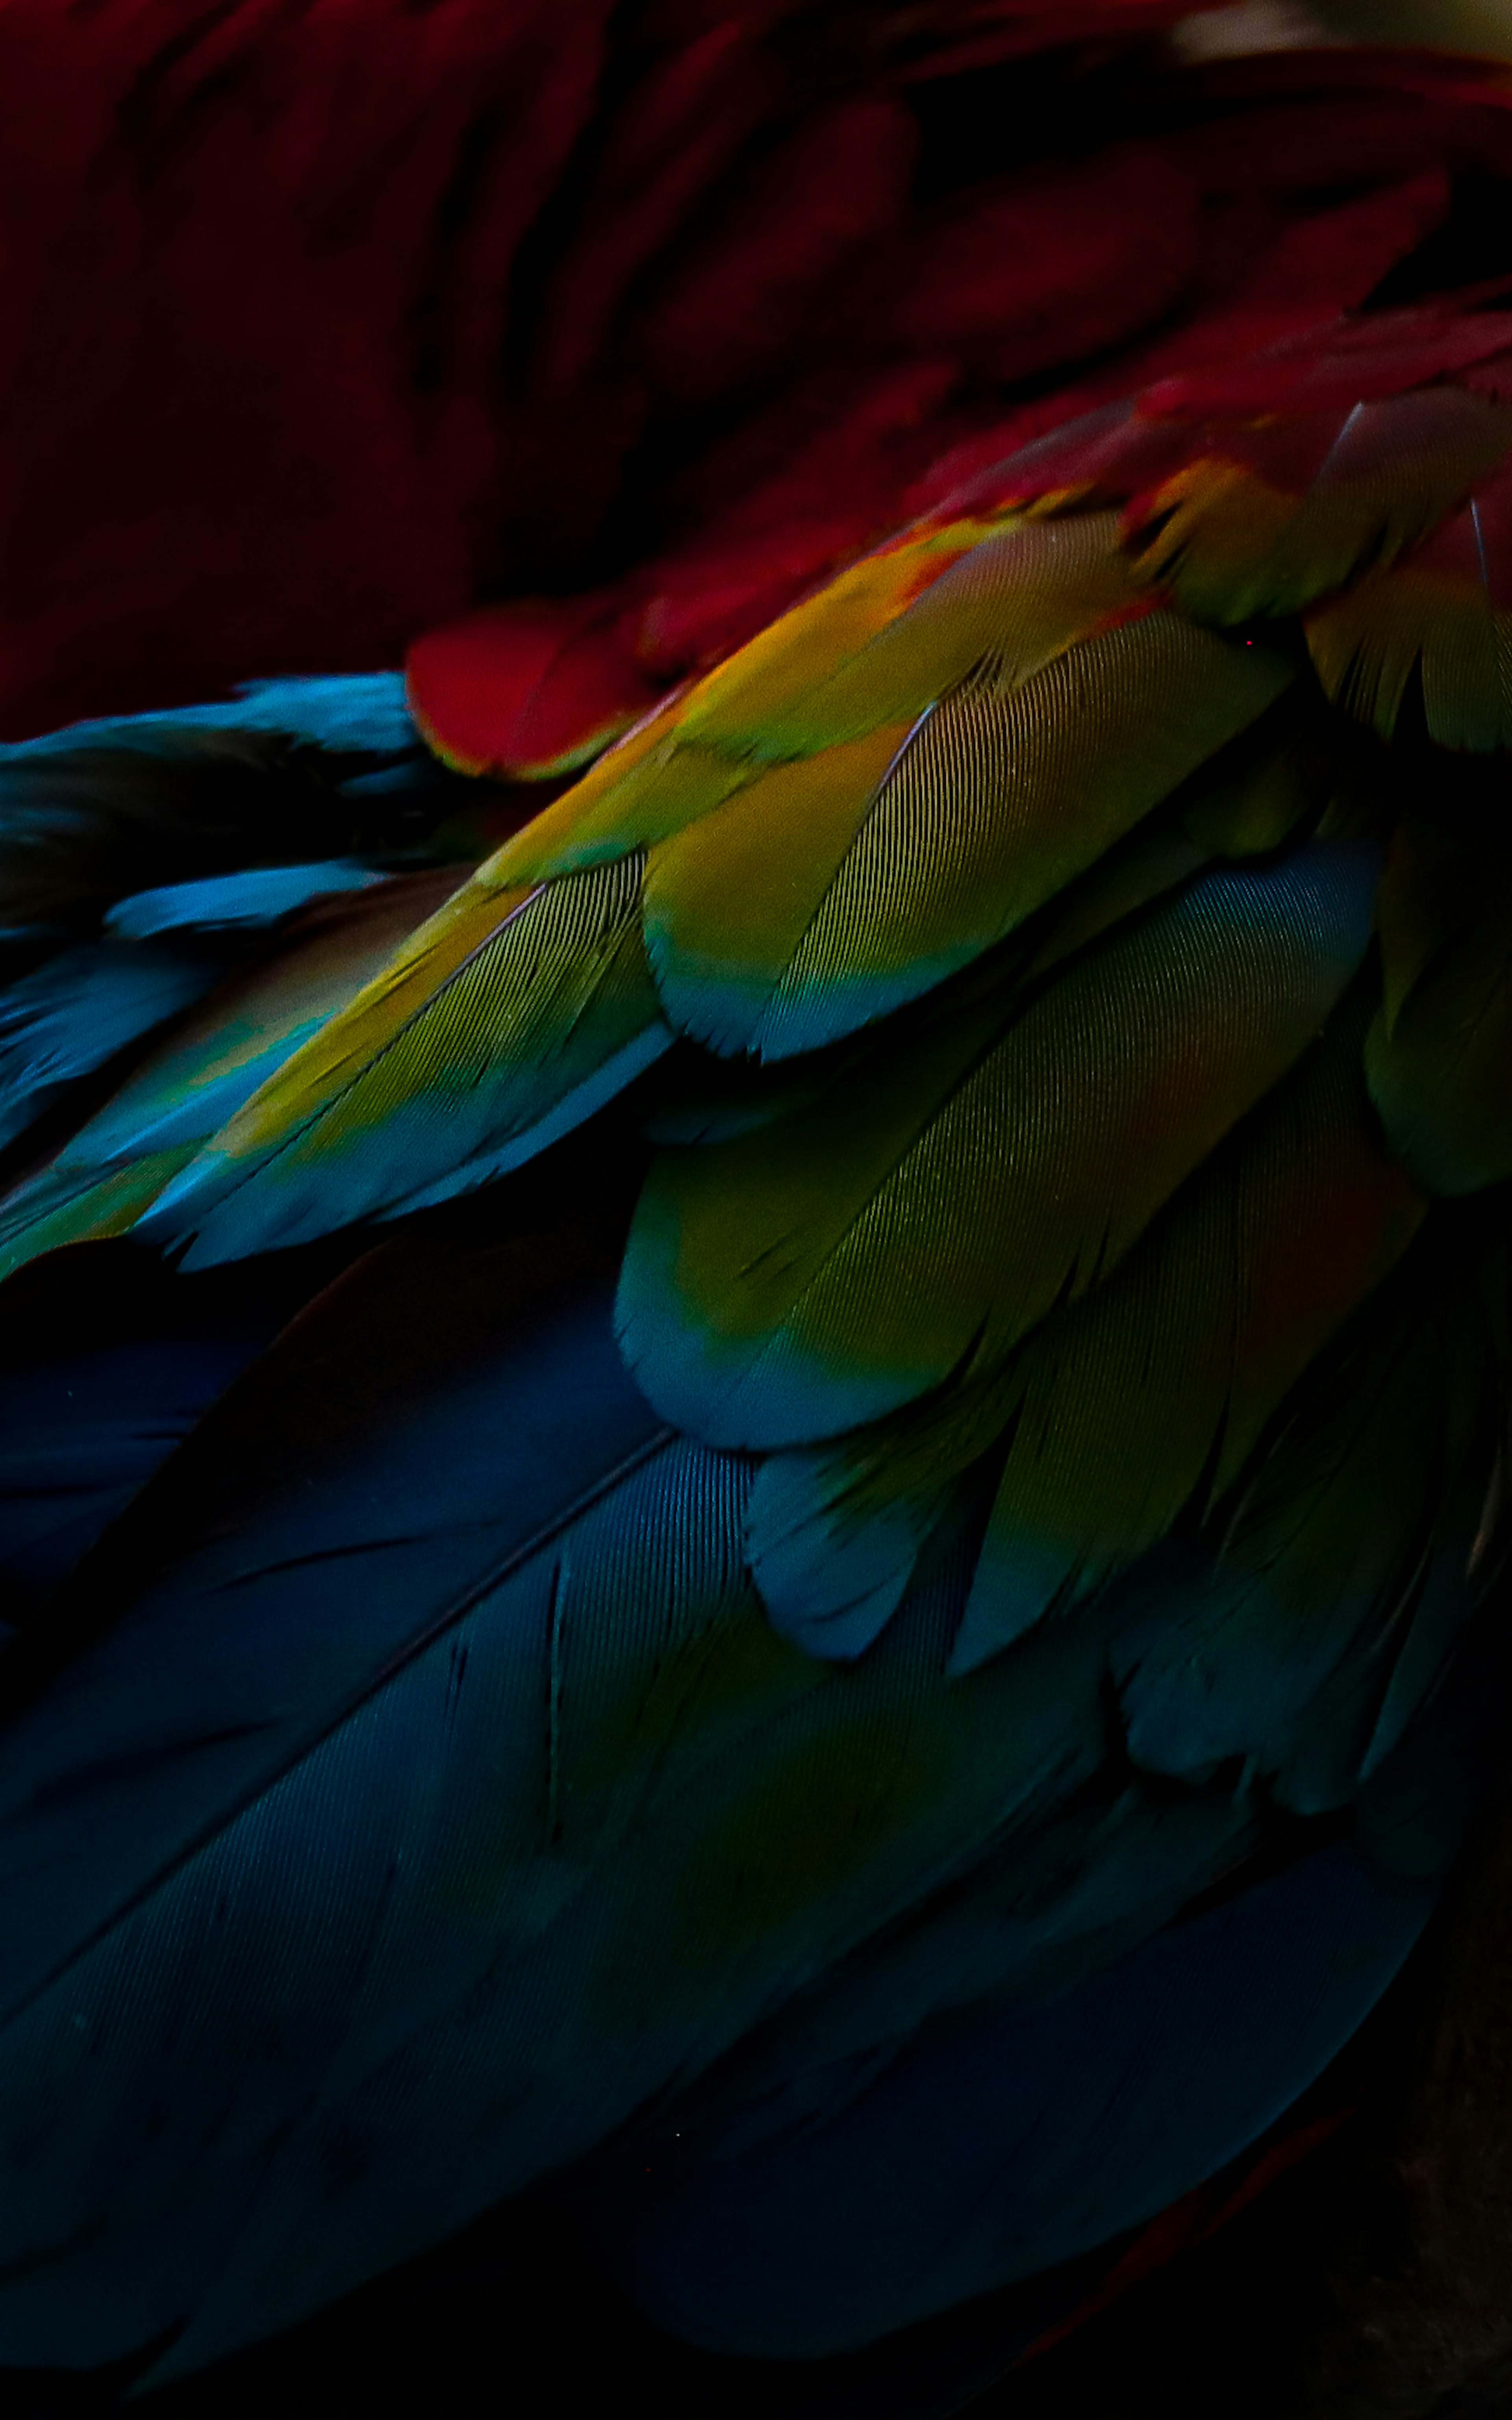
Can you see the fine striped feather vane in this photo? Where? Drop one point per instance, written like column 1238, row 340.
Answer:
column 996, row 664
column 1272, row 518
column 990, row 742
column 109, row 1171
column 875, row 1359
column 1117, row 1410
column 808, row 1279
column 493, row 1817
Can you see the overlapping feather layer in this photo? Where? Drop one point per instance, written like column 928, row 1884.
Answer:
column 1027, row 1040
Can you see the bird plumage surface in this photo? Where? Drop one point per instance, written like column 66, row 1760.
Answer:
column 777, row 1507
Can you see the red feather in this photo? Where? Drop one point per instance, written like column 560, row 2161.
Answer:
column 529, row 690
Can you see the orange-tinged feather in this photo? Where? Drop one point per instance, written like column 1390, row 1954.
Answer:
column 744, row 705
column 843, row 664
column 1444, row 614
column 1272, row 517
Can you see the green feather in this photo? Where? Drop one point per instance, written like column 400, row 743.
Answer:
column 1118, row 1407
column 518, row 1037
column 1438, row 1057
column 1363, row 1513
column 1018, row 597
column 1271, row 516
column 110, row 1173
column 919, row 1220
column 872, row 650
column 829, row 896
column 1123, row 1406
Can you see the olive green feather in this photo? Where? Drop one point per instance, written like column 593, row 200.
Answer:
column 1292, row 1647
column 517, row 1038
column 921, row 1218
column 1439, row 1055
column 827, row 895
column 1120, row 1409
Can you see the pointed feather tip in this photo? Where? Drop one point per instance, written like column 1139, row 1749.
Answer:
column 1014, row 1588
column 228, row 1206
column 262, row 896
column 174, row 1221
column 830, row 1583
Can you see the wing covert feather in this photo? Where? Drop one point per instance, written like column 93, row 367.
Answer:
column 797, row 1281
column 1012, row 786
column 1121, row 1408
column 498, row 1027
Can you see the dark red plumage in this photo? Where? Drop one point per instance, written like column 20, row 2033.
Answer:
column 331, row 323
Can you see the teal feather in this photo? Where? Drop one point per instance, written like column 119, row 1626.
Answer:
column 1234, row 1662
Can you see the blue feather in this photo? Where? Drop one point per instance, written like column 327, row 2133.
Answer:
column 362, row 713
column 81, row 1436
column 75, row 1013
column 241, row 902
column 408, row 1799
column 442, row 1860
column 442, row 1802
column 998, row 2147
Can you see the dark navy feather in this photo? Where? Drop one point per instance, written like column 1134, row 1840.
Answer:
column 82, row 1009
column 989, row 2149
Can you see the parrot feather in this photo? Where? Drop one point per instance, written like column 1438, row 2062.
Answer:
column 790, row 1283
column 553, row 1674
column 113, row 1167
column 530, row 691
column 1444, row 613
column 1439, row 1054
column 357, row 714
column 77, row 1012
column 378, row 1095
column 957, row 831
column 945, row 2168
column 1231, row 1661
column 1267, row 519
column 1117, row 1409
column 500, row 1025
column 1122, row 1406
column 107, row 1362
column 1104, row 457
column 82, row 827
column 1341, row 361
column 1248, row 798
column 241, row 902
column 871, row 651
column 857, row 1640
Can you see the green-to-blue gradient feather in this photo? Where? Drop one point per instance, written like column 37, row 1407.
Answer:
column 776, row 1511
